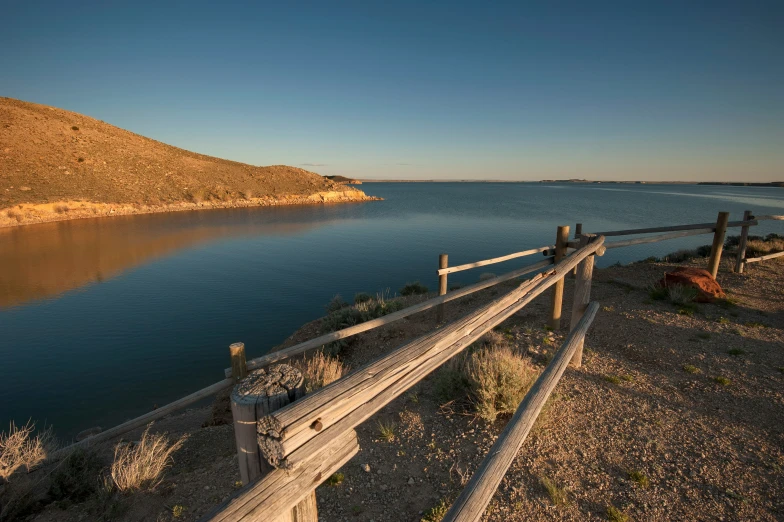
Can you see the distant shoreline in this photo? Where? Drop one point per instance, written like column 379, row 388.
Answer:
column 33, row 214
column 778, row 184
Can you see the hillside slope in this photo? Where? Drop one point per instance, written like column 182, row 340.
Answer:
column 66, row 164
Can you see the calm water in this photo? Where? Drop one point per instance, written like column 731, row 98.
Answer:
column 102, row 319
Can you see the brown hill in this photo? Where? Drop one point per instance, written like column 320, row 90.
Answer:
column 58, row 164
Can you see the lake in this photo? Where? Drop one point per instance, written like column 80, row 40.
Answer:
column 102, row 319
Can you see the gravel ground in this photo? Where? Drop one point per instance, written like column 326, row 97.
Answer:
column 630, row 430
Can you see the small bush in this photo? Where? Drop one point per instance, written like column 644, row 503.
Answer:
column 616, row 515
column 141, row 466
column 690, row 368
column 177, row 511
column 450, row 382
column 61, row 208
column 736, row 351
column 658, row 292
column 558, row 496
column 640, row 478
column 614, row 379
column 362, row 297
column 680, row 256
column 80, row 160
column 415, row 288
column 387, row 430
column 722, row 380
column 335, row 304
column 703, row 335
column 319, row 370
column 20, row 449
column 77, row 478
column 436, row 513
column 335, row 479
column 498, row 379
column 247, row 194
column 74, row 128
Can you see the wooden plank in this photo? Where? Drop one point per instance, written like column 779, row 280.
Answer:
column 291, row 435
column 765, row 218
column 147, row 417
column 280, row 490
column 561, row 238
column 765, row 257
column 387, row 319
column 467, row 266
column 673, row 228
column 718, row 243
column 744, row 237
column 655, row 239
column 473, row 500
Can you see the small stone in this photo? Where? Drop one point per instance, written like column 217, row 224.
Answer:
column 411, row 481
column 366, row 468
column 206, row 488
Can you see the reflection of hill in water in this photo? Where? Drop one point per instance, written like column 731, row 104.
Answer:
column 40, row 261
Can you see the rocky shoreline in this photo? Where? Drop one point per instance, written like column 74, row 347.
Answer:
column 32, row 213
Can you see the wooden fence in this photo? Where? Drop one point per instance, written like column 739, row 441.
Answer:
column 306, row 441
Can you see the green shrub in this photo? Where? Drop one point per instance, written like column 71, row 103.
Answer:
column 616, row 515
column 436, row 513
column 335, row 304
column 558, row 496
column 690, row 368
column 78, row 477
column 415, row 288
column 640, row 478
column 362, row 297
column 335, row 479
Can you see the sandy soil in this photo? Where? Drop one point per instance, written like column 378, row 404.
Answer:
column 708, row 451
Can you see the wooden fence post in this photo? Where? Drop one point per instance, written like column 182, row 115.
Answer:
column 582, row 295
column 744, row 236
column 561, row 238
column 261, row 393
column 578, row 231
column 239, row 367
column 718, row 243
column 443, row 262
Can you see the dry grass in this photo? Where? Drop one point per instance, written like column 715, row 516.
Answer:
column 558, row 496
column 320, row 370
column 141, row 466
column 20, row 449
column 498, row 379
column 61, row 208
column 759, row 247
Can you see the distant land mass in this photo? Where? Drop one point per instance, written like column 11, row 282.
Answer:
column 586, row 181
column 57, row 164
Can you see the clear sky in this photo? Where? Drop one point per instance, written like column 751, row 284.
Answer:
column 635, row 90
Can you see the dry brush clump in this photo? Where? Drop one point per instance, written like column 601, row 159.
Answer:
column 319, row 370
column 493, row 377
column 20, row 449
column 141, row 465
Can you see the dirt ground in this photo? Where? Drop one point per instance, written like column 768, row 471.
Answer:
column 632, row 429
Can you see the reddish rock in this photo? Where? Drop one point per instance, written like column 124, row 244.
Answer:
column 707, row 287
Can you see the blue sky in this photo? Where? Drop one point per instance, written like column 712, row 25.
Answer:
column 621, row 90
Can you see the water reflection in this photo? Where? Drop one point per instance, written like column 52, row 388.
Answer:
column 43, row 261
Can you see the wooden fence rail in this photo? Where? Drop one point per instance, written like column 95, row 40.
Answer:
column 472, row 502
column 673, row 228
column 763, row 258
column 476, row 264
